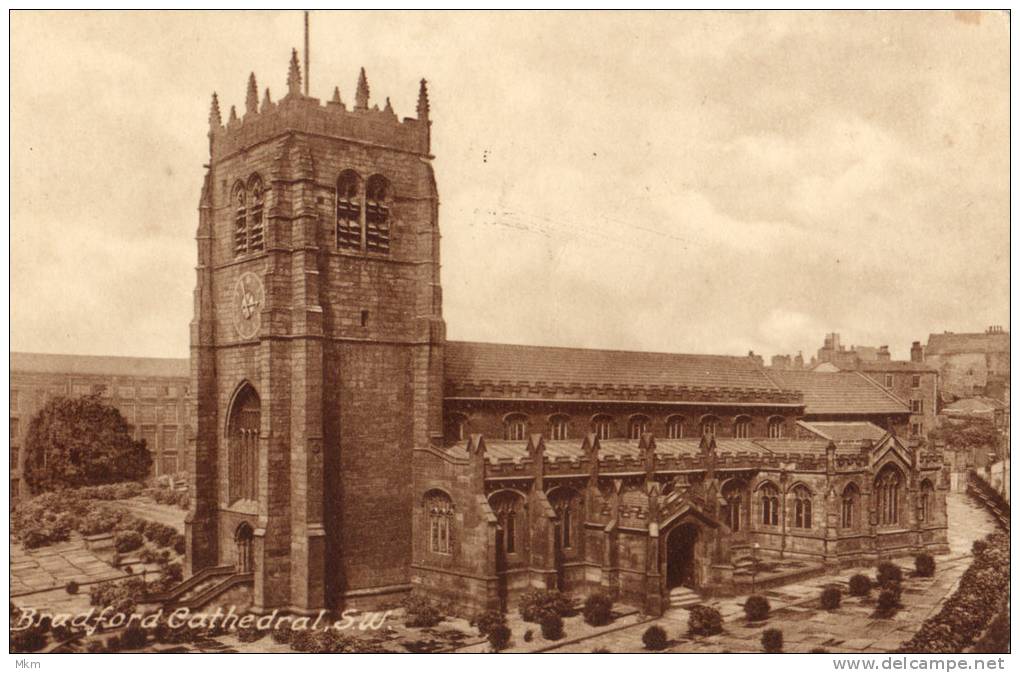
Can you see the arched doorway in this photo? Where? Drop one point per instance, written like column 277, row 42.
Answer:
column 680, row 557
column 243, row 539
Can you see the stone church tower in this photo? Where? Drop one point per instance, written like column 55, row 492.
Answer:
column 316, row 346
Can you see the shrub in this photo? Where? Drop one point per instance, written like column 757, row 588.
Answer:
column 487, row 620
column 860, row 585
column 133, row 637
column 283, row 633
column 499, row 637
column 94, row 647
column 420, row 611
column 888, row 600
column 978, row 547
column 529, row 635
column 654, row 638
column 304, row 640
column 924, row 565
column 172, row 574
column 27, row 640
column 756, row 608
column 889, row 573
column 72, row 587
column 772, row 640
column 179, row 544
column 536, row 602
column 704, row 621
column 127, row 541
column 831, row 598
column 249, row 634
column 552, row 626
column 598, row 609
column 113, row 644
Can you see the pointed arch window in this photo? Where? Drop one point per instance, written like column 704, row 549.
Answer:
column 377, row 214
column 732, row 494
column 515, row 427
column 769, row 505
column 927, row 499
column 564, row 502
column 348, row 211
column 240, row 201
column 637, row 426
column 256, row 230
column 507, row 508
column 851, row 497
column 602, row 426
column 675, row 427
column 243, row 445
column 801, row 507
column 742, row 427
column 887, row 496
column 559, row 427
column 439, row 509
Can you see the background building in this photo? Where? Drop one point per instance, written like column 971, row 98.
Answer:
column 151, row 393
column 970, row 364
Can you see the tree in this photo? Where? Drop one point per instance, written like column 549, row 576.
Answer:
column 81, row 442
column 971, row 434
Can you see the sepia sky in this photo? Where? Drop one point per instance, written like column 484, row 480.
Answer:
column 688, row 182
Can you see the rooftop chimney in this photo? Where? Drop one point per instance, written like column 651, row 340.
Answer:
column 916, row 352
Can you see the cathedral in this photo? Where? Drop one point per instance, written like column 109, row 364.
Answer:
column 346, row 454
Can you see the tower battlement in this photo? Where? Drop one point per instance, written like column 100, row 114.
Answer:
column 263, row 119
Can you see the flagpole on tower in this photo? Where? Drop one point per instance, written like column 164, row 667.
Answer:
column 308, row 74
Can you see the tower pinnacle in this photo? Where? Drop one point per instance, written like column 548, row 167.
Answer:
column 361, row 96
column 215, row 121
column 423, row 100
column 251, row 101
column 294, row 75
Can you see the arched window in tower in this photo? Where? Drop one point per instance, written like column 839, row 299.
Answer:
column 256, row 228
column 240, row 199
column 637, row 426
column 243, row 445
column 559, row 427
column 801, row 507
column 709, row 426
column 769, row 505
column 348, row 211
column 602, row 426
column 439, row 510
column 515, row 427
column 926, row 499
column 377, row 214
column 851, row 496
column 742, row 427
column 675, row 427
column 887, row 495
column 777, row 427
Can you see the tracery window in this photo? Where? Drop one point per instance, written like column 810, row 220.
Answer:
column 515, row 427
column 602, row 426
column 851, row 496
column 801, row 507
column 249, row 224
column 927, row 498
column 638, row 426
column 776, row 428
column 377, row 215
column 559, row 427
column 243, row 445
column 564, row 503
column 439, row 509
column 742, row 427
column 506, row 505
column 675, row 427
column 887, row 496
column 769, row 505
column 348, row 211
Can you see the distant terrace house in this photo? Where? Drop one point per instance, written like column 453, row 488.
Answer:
column 151, row 393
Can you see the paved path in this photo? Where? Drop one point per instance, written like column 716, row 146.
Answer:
column 805, row 625
column 53, row 566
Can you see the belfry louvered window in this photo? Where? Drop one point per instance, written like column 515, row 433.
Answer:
column 348, row 211
column 377, row 215
column 249, row 223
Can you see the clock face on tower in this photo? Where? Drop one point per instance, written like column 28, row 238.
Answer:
column 248, row 299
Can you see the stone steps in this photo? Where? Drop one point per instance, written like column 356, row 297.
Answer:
column 682, row 597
